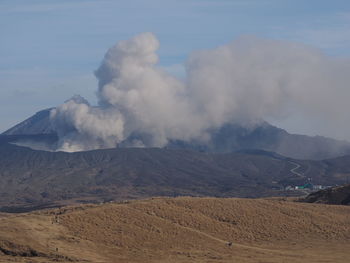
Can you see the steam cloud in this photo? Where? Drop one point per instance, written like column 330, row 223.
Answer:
column 243, row 82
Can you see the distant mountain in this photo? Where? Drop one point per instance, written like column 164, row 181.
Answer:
column 228, row 138
column 267, row 137
column 39, row 123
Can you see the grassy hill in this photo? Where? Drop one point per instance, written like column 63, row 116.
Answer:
column 179, row 230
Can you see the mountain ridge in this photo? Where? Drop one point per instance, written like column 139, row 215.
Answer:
column 228, row 138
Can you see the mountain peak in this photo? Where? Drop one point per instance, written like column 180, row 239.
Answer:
column 39, row 123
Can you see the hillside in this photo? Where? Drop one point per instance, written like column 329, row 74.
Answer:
column 30, row 178
column 179, row 230
column 339, row 195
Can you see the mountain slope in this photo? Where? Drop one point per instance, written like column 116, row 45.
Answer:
column 31, row 178
column 35, row 177
column 39, row 123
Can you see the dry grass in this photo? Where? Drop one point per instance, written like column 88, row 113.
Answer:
column 180, row 230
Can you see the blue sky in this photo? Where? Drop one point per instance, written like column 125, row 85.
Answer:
column 49, row 49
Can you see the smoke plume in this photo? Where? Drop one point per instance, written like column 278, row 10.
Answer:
column 244, row 82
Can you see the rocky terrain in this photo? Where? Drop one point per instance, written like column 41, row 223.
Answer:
column 179, row 230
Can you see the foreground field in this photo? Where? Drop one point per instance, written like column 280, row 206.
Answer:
column 179, row 230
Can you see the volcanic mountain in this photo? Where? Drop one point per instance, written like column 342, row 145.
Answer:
column 228, row 138
column 237, row 162
column 39, row 123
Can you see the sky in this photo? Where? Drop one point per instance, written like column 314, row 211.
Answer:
column 50, row 49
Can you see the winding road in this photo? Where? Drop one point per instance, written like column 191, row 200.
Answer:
column 303, row 175
column 293, row 170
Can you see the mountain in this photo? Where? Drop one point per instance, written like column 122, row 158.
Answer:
column 339, row 195
column 267, row 137
column 237, row 162
column 179, row 230
column 32, row 177
column 35, row 178
column 39, row 123
column 228, row 138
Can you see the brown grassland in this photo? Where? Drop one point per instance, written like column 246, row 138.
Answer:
column 180, row 230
